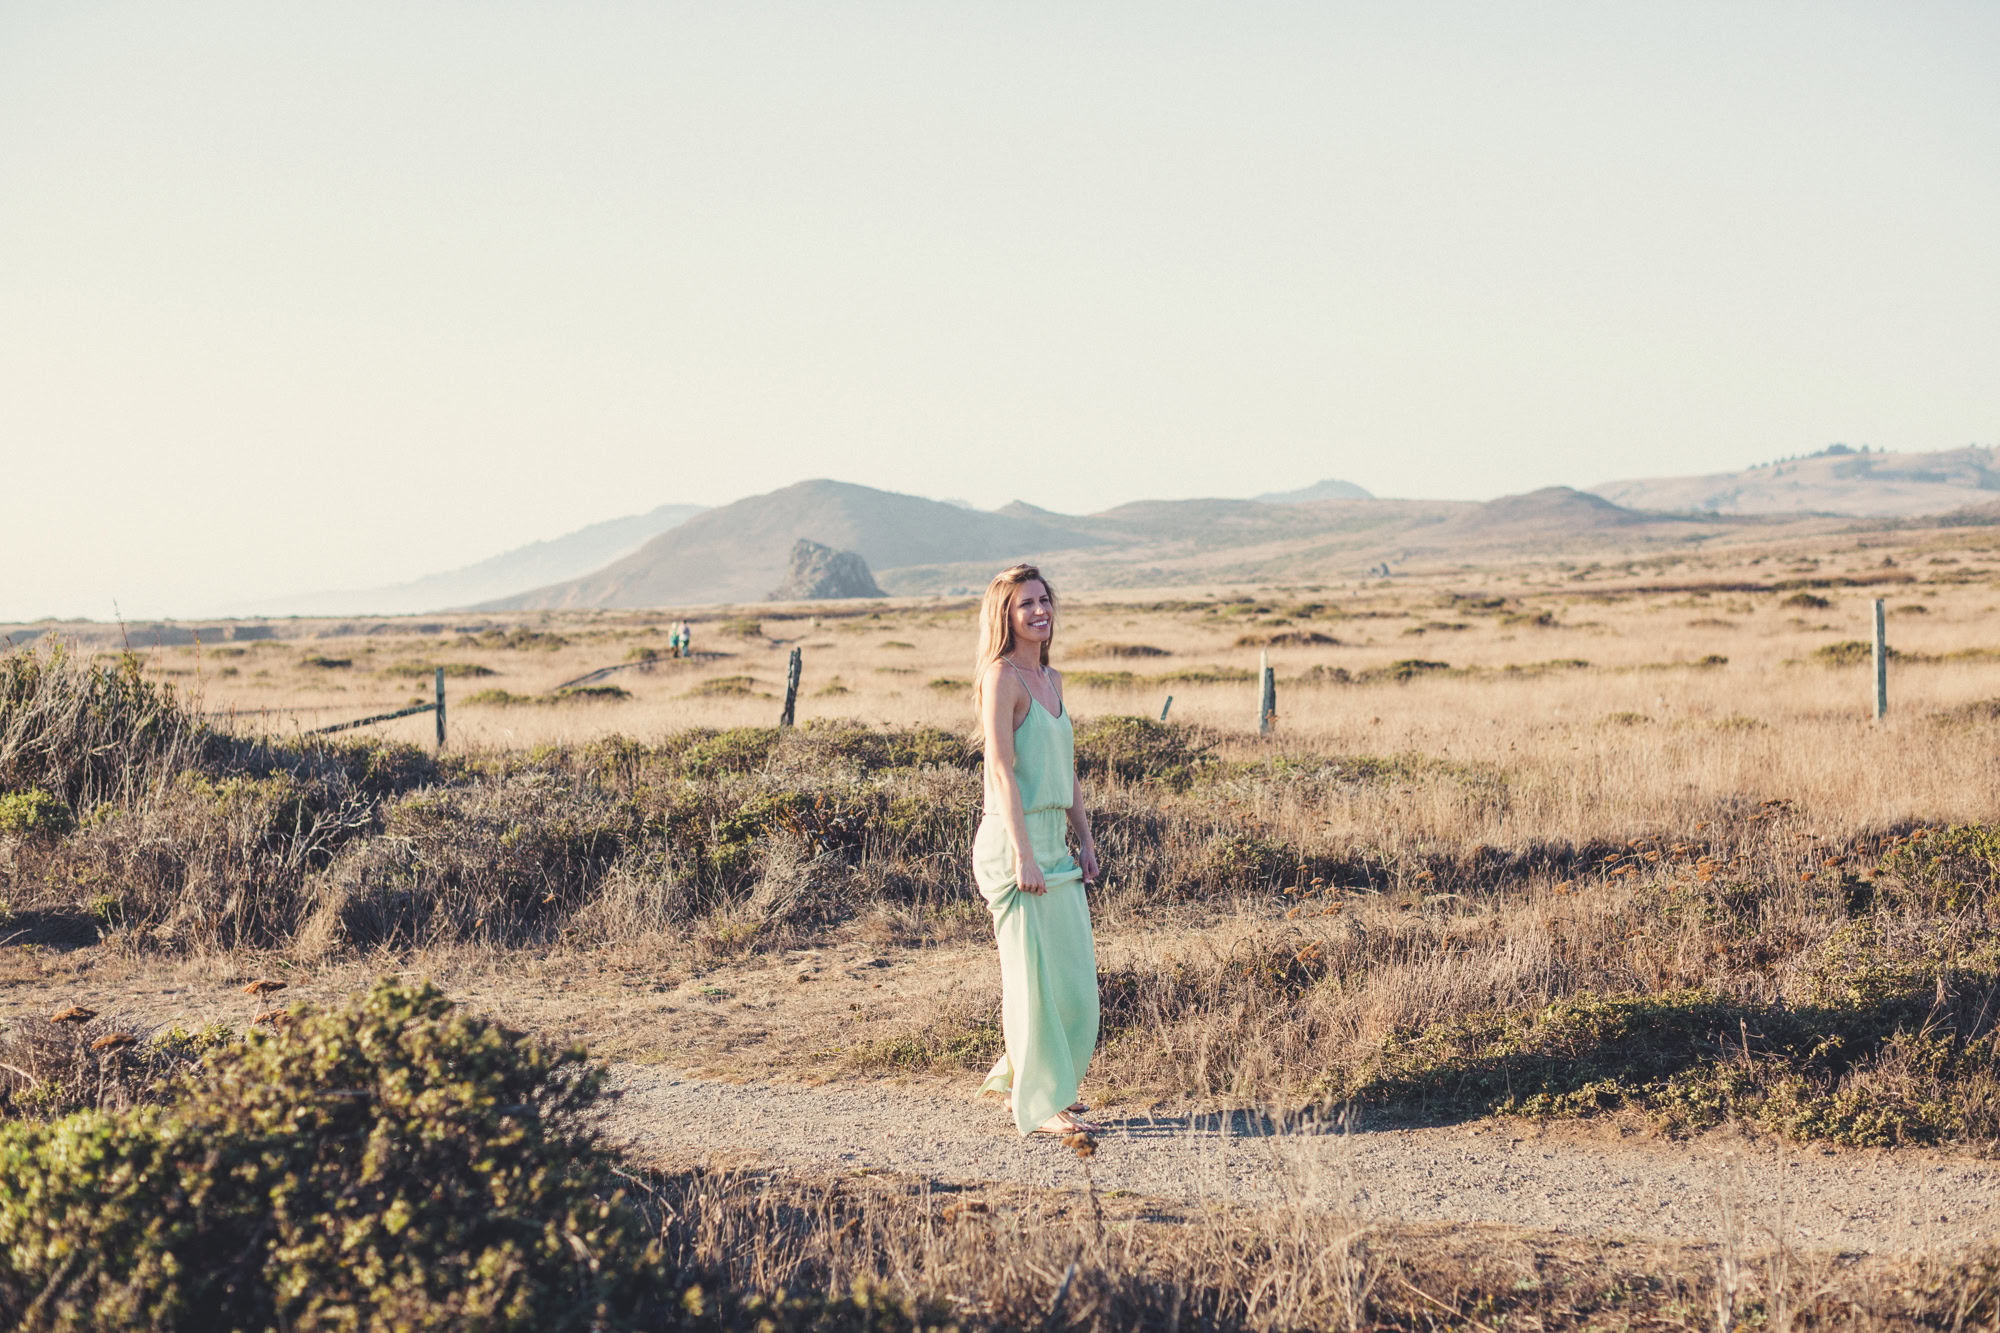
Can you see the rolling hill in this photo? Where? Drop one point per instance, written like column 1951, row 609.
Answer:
column 1329, row 489
column 738, row 553
column 1837, row 480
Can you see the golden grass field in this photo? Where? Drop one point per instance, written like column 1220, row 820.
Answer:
column 1550, row 821
column 1627, row 741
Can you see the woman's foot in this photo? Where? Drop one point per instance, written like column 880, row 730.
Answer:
column 1063, row 1123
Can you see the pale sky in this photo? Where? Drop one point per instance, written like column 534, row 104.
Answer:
column 302, row 296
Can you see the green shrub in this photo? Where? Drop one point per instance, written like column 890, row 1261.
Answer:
column 322, row 663
column 497, row 698
column 522, row 639
column 1848, row 652
column 1085, row 650
column 949, row 685
column 391, row 1165
column 1945, row 870
column 744, row 627
column 1403, row 671
column 1139, row 749
column 427, row 670
column 724, row 687
column 504, row 861
column 1806, row 601
column 705, row 753
column 1205, row 675
column 604, row 694
column 34, row 813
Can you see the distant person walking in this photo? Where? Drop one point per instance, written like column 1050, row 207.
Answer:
column 687, row 639
column 1021, row 859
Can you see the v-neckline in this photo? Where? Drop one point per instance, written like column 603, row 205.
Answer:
column 1061, row 703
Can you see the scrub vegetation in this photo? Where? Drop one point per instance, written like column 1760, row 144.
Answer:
column 1584, row 864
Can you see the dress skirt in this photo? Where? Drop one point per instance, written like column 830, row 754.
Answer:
column 1048, row 968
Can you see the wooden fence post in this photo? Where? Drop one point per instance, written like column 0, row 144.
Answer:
column 1165, row 706
column 1267, row 694
column 792, row 671
column 1881, row 664
column 440, row 706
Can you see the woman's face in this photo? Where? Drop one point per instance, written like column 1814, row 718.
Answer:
column 1032, row 613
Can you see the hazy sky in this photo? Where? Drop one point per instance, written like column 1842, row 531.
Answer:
column 298, row 296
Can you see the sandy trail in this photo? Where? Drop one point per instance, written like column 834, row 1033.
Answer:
column 1487, row 1172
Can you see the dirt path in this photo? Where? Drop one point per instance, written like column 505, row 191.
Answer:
column 755, row 1031
column 1849, row 1201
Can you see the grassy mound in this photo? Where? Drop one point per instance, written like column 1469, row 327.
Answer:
column 389, row 1164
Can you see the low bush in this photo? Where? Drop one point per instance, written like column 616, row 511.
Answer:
column 1099, row 649
column 427, row 670
column 1408, row 669
column 505, row 861
column 590, row 694
column 88, row 731
column 1141, row 750
column 34, row 813
column 497, row 698
column 1848, row 652
column 522, row 639
column 393, row 1164
column 725, row 687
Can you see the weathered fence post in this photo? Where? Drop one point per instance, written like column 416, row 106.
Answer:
column 1165, row 706
column 440, row 706
column 792, row 686
column 1881, row 664
column 1267, row 694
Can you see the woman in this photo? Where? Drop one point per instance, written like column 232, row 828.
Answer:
column 1021, row 859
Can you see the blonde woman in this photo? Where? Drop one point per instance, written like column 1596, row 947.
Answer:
column 1021, row 859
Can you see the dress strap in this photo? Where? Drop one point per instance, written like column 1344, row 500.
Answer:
column 1031, row 689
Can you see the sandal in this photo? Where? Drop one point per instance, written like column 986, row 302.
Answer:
column 1062, row 1124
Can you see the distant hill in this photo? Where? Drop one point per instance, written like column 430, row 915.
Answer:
column 1837, row 480
column 739, row 552
column 532, row 566
column 1553, row 511
column 1329, row 489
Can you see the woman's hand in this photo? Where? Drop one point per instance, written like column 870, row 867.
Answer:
column 1028, row 876
column 1086, row 859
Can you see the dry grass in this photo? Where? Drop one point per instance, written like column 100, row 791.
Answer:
column 1016, row 1259
column 1573, row 866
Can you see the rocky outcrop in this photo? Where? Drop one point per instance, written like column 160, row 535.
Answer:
column 819, row 572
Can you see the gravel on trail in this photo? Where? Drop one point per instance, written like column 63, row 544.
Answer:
column 1507, row 1173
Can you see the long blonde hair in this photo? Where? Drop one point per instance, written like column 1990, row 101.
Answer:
column 996, row 623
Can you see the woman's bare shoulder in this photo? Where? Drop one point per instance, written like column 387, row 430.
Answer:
column 997, row 682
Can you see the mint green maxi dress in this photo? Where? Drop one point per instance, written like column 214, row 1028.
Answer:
column 1048, row 962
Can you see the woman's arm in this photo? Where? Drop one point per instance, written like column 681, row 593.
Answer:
column 1001, row 694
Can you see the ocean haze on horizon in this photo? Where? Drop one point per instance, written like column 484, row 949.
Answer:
column 298, row 299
